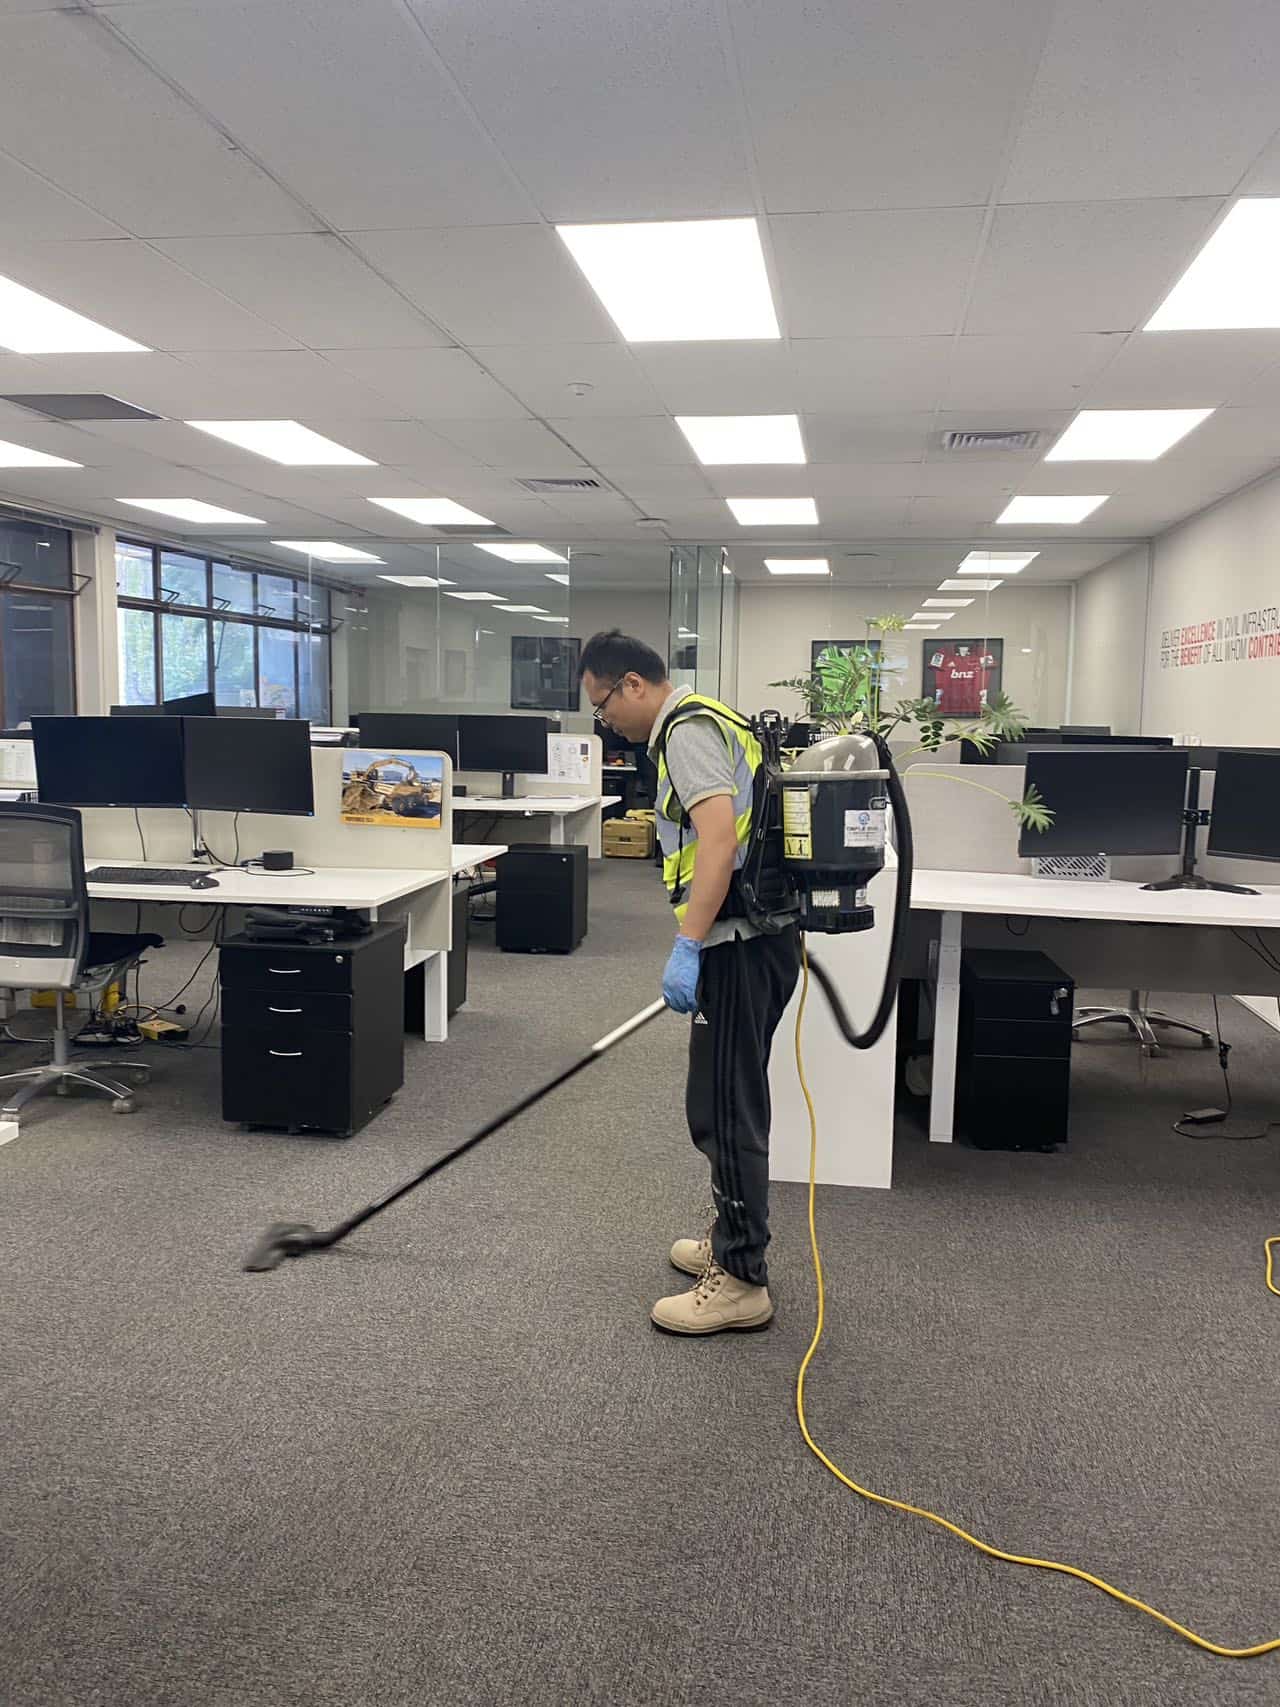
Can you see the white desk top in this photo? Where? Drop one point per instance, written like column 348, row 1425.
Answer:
column 330, row 886
column 467, row 854
column 554, row 806
column 1129, row 903
column 618, row 770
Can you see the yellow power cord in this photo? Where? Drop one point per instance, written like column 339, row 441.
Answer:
column 919, row 1511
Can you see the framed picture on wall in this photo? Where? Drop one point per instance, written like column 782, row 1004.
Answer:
column 961, row 675
column 544, row 672
column 891, row 666
column 819, row 648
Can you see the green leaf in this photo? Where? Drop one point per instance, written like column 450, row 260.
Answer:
column 1031, row 811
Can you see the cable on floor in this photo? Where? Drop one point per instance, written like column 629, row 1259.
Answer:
column 920, row 1511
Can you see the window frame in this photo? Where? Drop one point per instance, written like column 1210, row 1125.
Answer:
column 11, row 586
column 217, row 610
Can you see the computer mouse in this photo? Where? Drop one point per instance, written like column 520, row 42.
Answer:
column 203, row 883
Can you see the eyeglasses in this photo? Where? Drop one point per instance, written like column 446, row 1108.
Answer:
column 598, row 710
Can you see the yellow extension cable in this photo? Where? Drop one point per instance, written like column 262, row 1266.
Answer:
column 919, row 1511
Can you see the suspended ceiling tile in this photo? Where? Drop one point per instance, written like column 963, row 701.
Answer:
column 880, row 104
column 83, row 112
column 429, row 385
column 721, row 379
column 1083, row 266
column 1131, row 101
column 1170, row 370
column 626, row 440
column 613, row 111
column 1030, row 374
column 862, row 374
column 882, row 274
column 344, row 102
column 548, row 377
column 498, row 284
column 861, row 438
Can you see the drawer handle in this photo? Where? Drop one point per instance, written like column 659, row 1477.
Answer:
column 285, row 971
column 272, row 1010
column 285, row 1054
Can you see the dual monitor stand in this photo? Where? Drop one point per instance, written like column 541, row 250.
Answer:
column 1195, row 817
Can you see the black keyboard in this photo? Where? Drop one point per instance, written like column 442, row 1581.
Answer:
column 170, row 875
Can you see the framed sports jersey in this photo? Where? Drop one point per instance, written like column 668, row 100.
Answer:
column 961, row 675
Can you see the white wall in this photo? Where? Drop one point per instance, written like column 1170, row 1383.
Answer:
column 1213, row 631
column 1110, row 644
column 777, row 624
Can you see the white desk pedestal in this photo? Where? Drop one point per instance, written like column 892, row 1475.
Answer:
column 852, row 1089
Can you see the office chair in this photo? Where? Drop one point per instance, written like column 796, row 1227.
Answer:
column 1141, row 1022
column 46, row 943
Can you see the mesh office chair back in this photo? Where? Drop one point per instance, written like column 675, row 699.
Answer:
column 44, row 904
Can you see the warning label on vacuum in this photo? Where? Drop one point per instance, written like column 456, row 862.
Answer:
column 864, row 827
column 797, row 826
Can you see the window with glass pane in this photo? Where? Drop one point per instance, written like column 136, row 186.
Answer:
column 276, row 597
column 233, row 682
column 39, row 679
column 38, row 555
column 184, row 576
column 135, row 571
column 233, row 585
column 184, row 642
column 136, row 632
column 277, row 672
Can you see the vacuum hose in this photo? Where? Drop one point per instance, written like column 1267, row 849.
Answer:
column 897, row 936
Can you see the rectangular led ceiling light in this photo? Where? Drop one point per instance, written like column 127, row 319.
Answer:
column 907, row 627
column 1124, row 435
column 519, row 610
column 415, row 580
column 1234, row 282
column 328, row 550
column 670, row 281
column 18, row 456
column 476, row 598
column 524, row 553
column 563, row 579
column 1064, row 511
column 797, row 565
column 433, row 512
column 34, row 326
column 284, row 441
column 942, row 604
column 932, row 616
column 563, row 619
column 190, row 510
column 768, row 512
column 1003, row 562
column 743, row 438
column 969, row 586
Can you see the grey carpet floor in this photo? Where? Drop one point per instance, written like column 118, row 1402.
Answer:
column 452, row 1464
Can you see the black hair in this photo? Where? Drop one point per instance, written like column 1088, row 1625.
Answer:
column 611, row 654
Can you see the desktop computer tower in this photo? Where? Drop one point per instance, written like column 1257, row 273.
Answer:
column 541, row 898
column 1013, row 1073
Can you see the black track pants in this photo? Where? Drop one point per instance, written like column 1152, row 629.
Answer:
column 743, row 989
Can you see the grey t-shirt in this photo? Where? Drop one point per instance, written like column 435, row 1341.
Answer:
column 700, row 767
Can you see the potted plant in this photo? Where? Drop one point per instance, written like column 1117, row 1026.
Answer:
column 843, row 692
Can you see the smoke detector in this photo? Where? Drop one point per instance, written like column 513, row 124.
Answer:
column 992, row 441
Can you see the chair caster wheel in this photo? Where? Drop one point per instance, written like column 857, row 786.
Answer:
column 1206, row 1043
column 123, row 1105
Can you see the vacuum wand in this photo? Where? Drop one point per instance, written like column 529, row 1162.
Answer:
column 297, row 1239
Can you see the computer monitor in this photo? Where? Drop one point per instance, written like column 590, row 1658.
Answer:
column 138, row 711
column 260, row 713
column 420, row 732
column 1071, row 730
column 506, row 744
column 1120, row 801
column 1245, row 820
column 96, row 761
column 191, row 705
column 1084, row 740
column 232, row 768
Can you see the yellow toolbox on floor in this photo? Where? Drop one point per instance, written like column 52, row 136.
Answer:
column 631, row 837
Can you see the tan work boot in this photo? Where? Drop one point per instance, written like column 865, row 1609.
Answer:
column 718, row 1303
column 691, row 1256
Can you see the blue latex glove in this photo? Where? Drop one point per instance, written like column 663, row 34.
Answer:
column 680, row 979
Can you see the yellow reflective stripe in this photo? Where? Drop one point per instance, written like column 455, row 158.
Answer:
column 680, row 857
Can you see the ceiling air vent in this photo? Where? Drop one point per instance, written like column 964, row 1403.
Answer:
column 79, row 406
column 573, row 483
column 991, row 441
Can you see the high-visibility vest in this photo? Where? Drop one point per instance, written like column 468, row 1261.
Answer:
column 677, row 836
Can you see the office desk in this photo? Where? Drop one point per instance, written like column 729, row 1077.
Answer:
column 385, row 894
column 570, row 815
column 467, row 854
column 1106, row 935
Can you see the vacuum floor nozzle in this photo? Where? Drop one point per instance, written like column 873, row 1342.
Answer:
column 283, row 1239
